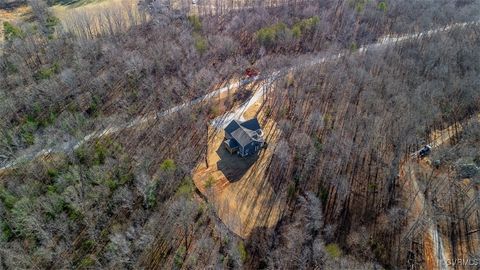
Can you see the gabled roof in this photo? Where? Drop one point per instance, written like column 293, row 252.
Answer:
column 251, row 124
column 231, row 143
column 234, row 125
column 244, row 133
column 242, row 137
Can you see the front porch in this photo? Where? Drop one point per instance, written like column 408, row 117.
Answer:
column 231, row 146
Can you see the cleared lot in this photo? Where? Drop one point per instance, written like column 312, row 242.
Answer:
column 237, row 188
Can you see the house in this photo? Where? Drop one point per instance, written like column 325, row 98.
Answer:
column 244, row 138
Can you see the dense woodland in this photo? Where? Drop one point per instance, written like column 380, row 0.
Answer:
column 127, row 200
column 349, row 154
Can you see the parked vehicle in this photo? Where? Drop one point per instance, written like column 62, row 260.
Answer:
column 424, row 151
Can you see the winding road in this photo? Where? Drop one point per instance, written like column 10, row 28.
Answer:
column 220, row 122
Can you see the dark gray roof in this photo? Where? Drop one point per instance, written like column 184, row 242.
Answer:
column 231, row 143
column 251, row 124
column 242, row 137
column 244, row 133
column 234, row 125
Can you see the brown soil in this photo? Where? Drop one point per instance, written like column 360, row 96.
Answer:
column 237, row 187
column 420, row 212
column 430, row 259
column 420, row 208
column 11, row 16
column 94, row 13
column 439, row 137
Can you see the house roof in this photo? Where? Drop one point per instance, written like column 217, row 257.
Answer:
column 234, row 125
column 251, row 124
column 231, row 143
column 242, row 137
column 244, row 133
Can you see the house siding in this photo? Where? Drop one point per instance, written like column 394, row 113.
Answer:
column 250, row 148
column 243, row 134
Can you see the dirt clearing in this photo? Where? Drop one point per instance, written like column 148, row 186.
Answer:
column 237, row 187
column 7, row 15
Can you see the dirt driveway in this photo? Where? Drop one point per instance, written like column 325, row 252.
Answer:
column 237, row 187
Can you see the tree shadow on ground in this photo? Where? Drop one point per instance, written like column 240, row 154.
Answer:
column 75, row 3
column 12, row 5
column 233, row 166
column 255, row 243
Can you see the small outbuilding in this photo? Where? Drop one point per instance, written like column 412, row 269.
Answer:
column 244, row 138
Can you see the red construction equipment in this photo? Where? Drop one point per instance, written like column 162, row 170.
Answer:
column 251, row 72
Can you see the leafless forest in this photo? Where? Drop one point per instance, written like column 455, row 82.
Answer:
column 356, row 196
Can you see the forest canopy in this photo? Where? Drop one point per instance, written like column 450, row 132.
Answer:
column 106, row 116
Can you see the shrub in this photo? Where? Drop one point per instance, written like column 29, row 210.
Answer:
column 47, row 72
column 73, row 213
column 22, row 220
column 151, row 195
column 178, row 260
column 297, row 31
column 323, row 195
column 168, row 165
column 50, row 25
column 476, row 159
column 242, row 251
column 10, row 67
column 7, row 233
column 81, row 154
column 100, row 153
column 317, row 142
column 56, row 203
column 87, row 262
column 333, row 250
column 126, row 177
column 304, row 26
column 47, row 119
column 267, row 36
column 268, row 111
column 210, row 182
column 27, row 131
column 112, row 184
column 93, row 109
column 311, row 22
column 213, row 111
column 382, row 6
column 11, row 32
column 52, row 21
column 291, row 191
column 87, row 245
column 200, row 44
column 52, row 172
column 195, row 22
column 353, row 47
column 359, row 5
column 7, row 198
column 96, row 154
column 186, row 188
